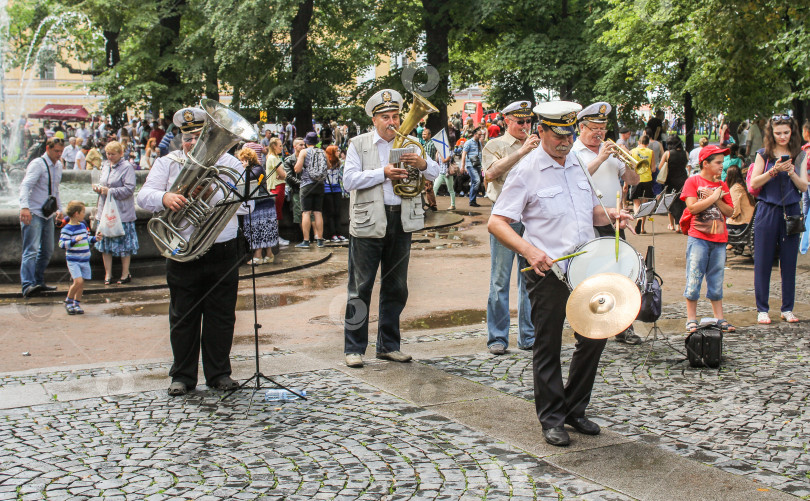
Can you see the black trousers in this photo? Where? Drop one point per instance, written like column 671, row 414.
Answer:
column 607, row 231
column 553, row 401
column 202, row 313
column 391, row 255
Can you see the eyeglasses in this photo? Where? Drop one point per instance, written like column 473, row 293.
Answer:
column 521, row 122
column 776, row 118
column 54, row 140
column 598, row 131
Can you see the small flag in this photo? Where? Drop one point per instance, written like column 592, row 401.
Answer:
column 442, row 144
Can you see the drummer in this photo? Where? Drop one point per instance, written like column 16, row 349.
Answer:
column 549, row 193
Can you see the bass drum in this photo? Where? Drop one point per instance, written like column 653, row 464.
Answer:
column 601, row 258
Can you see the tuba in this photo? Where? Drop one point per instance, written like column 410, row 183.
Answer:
column 211, row 200
column 415, row 182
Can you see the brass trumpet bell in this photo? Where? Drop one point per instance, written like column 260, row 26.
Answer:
column 627, row 159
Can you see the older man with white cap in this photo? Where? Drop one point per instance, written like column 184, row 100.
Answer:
column 549, row 193
column 499, row 156
column 606, row 170
column 380, row 230
column 202, row 304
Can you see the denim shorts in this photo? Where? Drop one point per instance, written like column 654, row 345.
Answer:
column 704, row 258
column 79, row 270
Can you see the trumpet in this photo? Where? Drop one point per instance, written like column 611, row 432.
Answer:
column 627, row 159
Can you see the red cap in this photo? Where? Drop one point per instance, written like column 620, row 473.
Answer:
column 710, row 150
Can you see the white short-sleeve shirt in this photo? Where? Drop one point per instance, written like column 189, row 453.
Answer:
column 554, row 203
column 607, row 177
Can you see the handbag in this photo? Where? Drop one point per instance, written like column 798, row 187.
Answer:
column 794, row 225
column 51, row 205
column 452, row 169
column 661, row 178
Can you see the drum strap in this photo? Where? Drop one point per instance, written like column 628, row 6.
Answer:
column 583, row 166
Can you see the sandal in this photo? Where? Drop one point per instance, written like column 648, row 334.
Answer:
column 691, row 326
column 725, row 326
column 125, row 280
column 108, row 281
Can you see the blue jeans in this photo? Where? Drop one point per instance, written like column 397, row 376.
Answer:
column 37, row 248
column 704, row 258
column 498, row 301
column 475, row 181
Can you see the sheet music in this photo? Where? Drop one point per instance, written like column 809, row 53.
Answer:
column 396, row 153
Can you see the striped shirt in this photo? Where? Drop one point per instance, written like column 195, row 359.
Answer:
column 76, row 252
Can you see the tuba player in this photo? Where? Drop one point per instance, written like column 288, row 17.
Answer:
column 202, row 308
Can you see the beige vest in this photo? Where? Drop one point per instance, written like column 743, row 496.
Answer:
column 367, row 210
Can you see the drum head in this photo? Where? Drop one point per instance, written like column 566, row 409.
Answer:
column 601, row 258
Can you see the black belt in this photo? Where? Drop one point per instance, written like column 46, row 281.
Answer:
column 393, row 208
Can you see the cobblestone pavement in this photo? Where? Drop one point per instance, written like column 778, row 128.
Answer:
column 749, row 417
column 74, row 374
column 349, row 441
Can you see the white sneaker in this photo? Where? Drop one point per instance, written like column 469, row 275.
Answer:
column 763, row 318
column 283, row 242
column 257, row 261
column 789, row 317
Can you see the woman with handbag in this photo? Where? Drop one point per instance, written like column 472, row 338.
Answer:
column 676, row 162
column 260, row 227
column 117, row 181
column 778, row 221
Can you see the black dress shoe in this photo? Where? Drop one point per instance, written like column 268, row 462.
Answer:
column 474, row 204
column 583, row 425
column 46, row 288
column 556, row 436
column 32, row 291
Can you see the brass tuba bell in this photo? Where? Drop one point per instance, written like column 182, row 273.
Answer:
column 415, row 182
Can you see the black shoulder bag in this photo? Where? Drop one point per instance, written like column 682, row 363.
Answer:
column 50, row 206
column 793, row 224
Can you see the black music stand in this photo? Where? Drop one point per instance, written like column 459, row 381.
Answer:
column 257, row 377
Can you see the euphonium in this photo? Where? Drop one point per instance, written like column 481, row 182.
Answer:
column 415, row 182
column 188, row 233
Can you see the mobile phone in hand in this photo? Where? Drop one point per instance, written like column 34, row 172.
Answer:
column 784, row 158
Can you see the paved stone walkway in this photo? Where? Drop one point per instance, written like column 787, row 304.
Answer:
column 348, row 441
column 748, row 417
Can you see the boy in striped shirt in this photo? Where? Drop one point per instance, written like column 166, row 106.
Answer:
column 76, row 240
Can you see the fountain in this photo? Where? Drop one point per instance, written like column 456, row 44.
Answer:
column 60, row 28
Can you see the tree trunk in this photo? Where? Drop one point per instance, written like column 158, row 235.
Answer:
column 801, row 111
column 299, row 52
column 212, row 80
column 436, row 49
column 170, row 22
column 689, row 121
column 111, row 51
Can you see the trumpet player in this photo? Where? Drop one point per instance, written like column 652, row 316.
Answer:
column 380, row 230
column 607, row 171
column 500, row 156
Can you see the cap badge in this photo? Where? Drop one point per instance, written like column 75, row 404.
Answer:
column 569, row 117
column 188, row 116
column 524, row 104
column 386, row 96
column 602, row 109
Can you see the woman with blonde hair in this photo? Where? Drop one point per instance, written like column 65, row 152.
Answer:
column 260, row 227
column 117, row 180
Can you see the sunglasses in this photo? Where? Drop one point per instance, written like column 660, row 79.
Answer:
column 521, row 122
column 780, row 117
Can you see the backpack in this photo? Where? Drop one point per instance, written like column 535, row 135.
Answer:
column 752, row 191
column 315, row 164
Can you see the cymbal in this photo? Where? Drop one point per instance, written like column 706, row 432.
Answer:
column 603, row 305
